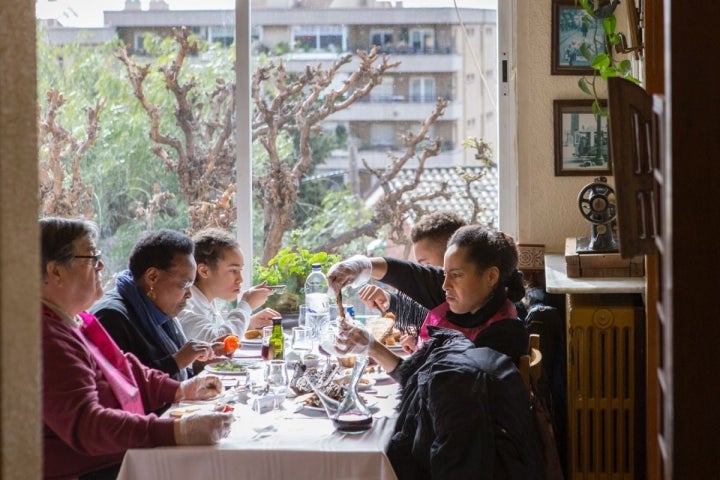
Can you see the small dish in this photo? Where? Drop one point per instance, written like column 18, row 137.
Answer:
column 364, row 383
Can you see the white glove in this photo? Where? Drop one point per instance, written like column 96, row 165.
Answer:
column 352, row 338
column 200, row 388
column 202, row 429
column 355, row 271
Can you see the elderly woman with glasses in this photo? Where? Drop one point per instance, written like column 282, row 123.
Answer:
column 95, row 399
column 140, row 311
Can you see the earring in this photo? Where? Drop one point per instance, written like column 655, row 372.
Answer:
column 151, row 293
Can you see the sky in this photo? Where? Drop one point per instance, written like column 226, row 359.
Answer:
column 89, row 13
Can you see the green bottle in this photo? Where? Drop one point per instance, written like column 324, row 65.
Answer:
column 277, row 340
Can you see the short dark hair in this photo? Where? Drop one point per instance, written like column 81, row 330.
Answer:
column 210, row 245
column 436, row 227
column 57, row 236
column 158, row 249
column 487, row 249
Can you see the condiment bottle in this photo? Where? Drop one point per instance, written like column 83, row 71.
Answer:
column 277, row 340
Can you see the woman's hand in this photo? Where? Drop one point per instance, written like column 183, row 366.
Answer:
column 355, row 271
column 408, row 343
column 192, row 351
column 202, row 429
column 199, row 388
column 375, row 297
column 262, row 318
column 257, row 295
column 352, row 338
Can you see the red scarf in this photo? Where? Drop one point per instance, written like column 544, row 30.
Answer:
column 438, row 317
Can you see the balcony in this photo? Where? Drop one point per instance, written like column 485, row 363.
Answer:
column 397, row 111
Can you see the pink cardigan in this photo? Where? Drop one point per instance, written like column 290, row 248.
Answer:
column 85, row 428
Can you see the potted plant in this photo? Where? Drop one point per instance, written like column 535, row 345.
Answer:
column 599, row 54
column 290, row 266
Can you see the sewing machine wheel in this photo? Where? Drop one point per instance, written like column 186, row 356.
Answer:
column 597, row 203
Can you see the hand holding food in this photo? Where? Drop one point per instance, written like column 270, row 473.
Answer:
column 202, row 429
column 375, row 297
column 354, row 271
column 192, row 351
column 199, row 388
column 230, row 344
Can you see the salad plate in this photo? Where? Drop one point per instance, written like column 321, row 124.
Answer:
column 228, row 367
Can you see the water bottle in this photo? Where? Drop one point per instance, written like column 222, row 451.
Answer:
column 317, row 301
column 316, row 291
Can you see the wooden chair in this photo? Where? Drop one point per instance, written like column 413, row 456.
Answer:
column 531, row 364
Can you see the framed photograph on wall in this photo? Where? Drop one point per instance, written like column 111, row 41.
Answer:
column 571, row 27
column 581, row 139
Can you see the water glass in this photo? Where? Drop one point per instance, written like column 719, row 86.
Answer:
column 276, row 378
column 301, row 342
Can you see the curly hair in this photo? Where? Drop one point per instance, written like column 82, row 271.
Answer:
column 211, row 243
column 436, row 226
column 158, row 249
column 487, row 249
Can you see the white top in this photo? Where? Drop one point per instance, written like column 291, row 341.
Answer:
column 201, row 319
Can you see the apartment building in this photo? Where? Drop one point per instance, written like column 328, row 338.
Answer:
column 442, row 52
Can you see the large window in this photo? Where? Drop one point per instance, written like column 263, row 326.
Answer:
column 371, row 130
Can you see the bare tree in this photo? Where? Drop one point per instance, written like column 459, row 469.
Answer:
column 62, row 190
column 203, row 154
column 203, row 158
column 299, row 103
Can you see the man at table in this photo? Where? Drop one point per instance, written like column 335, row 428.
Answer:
column 94, row 398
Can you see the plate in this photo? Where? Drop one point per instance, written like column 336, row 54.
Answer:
column 228, row 367
column 251, row 341
column 365, row 382
column 300, row 401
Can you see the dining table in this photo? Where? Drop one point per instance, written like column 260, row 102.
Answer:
column 287, row 440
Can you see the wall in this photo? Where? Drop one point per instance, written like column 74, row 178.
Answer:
column 547, row 205
column 19, row 251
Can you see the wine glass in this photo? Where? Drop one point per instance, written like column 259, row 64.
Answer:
column 276, row 378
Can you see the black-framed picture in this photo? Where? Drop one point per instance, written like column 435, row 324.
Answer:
column 571, row 27
column 581, row 139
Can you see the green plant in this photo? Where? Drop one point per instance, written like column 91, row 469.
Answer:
column 599, row 54
column 290, row 266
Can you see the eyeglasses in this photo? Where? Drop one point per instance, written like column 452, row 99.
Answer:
column 96, row 259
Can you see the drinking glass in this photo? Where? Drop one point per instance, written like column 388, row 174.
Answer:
column 265, row 349
column 302, row 315
column 277, row 379
column 301, row 343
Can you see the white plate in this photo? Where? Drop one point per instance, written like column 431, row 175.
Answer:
column 250, row 341
column 228, row 367
column 365, row 382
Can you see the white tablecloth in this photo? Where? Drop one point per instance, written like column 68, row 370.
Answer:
column 288, row 443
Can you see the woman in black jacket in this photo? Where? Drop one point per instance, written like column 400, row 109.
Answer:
column 464, row 411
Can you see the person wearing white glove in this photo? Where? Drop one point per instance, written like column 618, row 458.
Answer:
column 202, row 428
column 353, row 338
column 204, row 387
column 355, row 271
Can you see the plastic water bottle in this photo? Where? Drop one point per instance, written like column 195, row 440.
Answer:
column 316, row 291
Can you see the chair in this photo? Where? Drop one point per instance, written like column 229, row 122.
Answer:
column 531, row 364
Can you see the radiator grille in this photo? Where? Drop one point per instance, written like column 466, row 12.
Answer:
column 601, row 396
